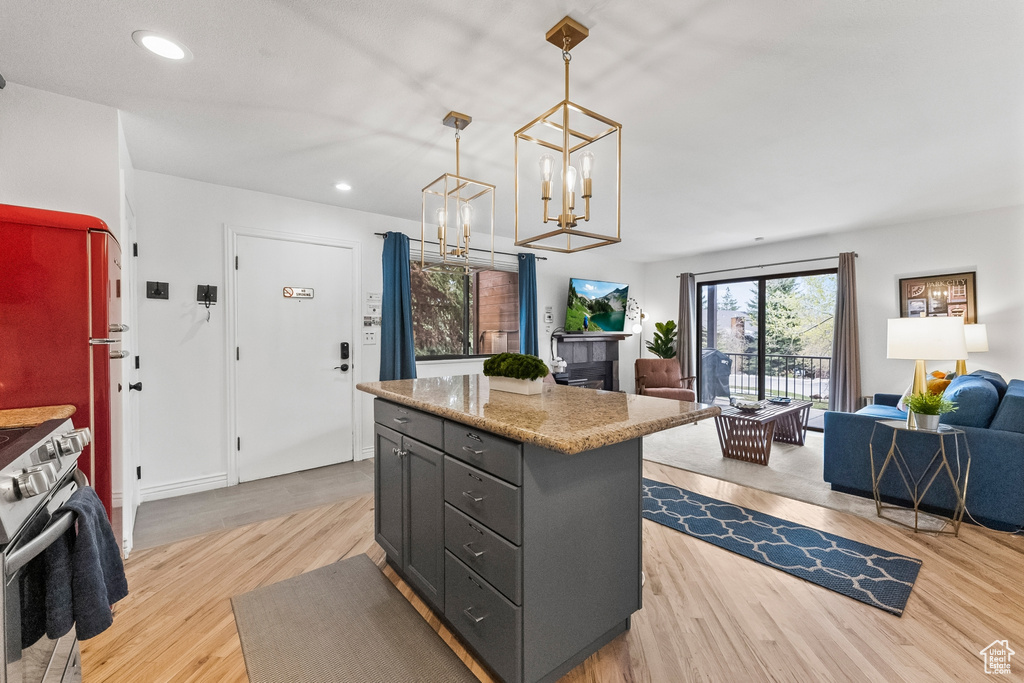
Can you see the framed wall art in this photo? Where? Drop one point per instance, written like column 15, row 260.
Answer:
column 939, row 296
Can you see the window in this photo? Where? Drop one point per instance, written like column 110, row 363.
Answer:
column 457, row 315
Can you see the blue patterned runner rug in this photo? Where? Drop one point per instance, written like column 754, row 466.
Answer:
column 877, row 577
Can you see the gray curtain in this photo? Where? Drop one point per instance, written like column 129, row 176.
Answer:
column 844, row 383
column 686, row 344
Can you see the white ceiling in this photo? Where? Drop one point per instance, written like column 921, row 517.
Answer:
column 741, row 118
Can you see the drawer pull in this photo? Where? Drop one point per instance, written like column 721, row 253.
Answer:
column 400, row 420
column 474, row 452
column 471, row 551
column 475, row 620
column 471, row 435
column 475, row 499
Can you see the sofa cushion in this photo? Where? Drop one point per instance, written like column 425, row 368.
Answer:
column 883, row 412
column 976, row 401
column 995, row 379
column 1010, row 415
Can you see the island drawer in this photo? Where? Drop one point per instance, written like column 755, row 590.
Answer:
column 500, row 457
column 487, row 553
column 491, row 624
column 485, row 498
column 411, row 422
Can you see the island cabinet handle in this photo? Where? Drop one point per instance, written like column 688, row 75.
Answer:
column 475, row 620
column 470, row 450
column 471, row 435
column 401, row 420
column 471, row 551
column 475, row 499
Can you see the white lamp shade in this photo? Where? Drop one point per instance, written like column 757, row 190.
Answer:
column 926, row 339
column 977, row 338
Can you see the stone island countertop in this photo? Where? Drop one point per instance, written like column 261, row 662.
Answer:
column 30, row 417
column 564, row 419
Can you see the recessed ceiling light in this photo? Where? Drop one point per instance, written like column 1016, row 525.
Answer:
column 344, row 187
column 161, row 45
column 759, row 239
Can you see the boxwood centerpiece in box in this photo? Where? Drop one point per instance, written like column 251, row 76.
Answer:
column 516, row 372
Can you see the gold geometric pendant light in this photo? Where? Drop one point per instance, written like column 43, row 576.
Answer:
column 455, row 207
column 568, row 142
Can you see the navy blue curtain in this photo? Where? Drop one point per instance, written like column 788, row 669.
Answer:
column 528, row 305
column 397, row 351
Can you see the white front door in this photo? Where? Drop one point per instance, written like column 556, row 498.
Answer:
column 293, row 314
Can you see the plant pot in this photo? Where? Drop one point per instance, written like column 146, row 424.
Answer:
column 517, row 386
column 927, row 422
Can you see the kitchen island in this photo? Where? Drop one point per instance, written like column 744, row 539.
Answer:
column 517, row 518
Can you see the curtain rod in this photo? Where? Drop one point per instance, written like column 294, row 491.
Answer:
column 503, row 253
column 768, row 265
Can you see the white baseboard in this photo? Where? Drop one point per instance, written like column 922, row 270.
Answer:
column 366, row 454
column 183, row 487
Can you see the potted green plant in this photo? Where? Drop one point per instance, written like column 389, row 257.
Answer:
column 517, row 373
column 664, row 344
column 927, row 407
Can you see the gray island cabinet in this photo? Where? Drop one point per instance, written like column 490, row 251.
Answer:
column 521, row 530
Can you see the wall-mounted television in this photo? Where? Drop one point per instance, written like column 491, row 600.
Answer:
column 596, row 306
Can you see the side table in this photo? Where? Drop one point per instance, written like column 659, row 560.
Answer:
column 918, row 483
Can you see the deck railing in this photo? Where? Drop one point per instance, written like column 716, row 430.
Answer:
column 798, row 377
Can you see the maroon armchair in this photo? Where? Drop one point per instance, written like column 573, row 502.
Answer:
column 662, row 377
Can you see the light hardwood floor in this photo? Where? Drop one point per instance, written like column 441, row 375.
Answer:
column 708, row 615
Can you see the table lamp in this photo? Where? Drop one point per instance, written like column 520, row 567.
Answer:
column 977, row 341
column 924, row 339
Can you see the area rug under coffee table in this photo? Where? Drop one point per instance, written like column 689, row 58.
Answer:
column 871, row 575
column 343, row 622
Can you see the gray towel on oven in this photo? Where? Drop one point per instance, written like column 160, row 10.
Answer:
column 46, row 593
column 96, row 580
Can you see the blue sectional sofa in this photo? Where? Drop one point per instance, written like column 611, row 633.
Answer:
column 990, row 412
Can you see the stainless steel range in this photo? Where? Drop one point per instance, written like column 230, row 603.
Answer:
column 38, row 473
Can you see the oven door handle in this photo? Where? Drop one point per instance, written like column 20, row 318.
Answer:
column 57, row 527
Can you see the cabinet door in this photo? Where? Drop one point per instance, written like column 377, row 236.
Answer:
column 388, row 513
column 424, row 562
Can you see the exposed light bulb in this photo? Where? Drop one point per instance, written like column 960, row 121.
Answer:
column 547, row 164
column 586, row 164
column 637, row 328
column 467, row 214
column 570, row 179
column 442, row 218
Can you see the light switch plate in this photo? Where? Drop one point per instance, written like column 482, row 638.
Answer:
column 369, row 336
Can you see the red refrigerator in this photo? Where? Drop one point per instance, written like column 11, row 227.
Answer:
column 60, row 325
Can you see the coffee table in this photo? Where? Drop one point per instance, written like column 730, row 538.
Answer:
column 748, row 435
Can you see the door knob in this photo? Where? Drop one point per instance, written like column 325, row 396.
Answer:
column 136, row 387
column 343, row 367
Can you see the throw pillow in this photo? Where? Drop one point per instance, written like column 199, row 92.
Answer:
column 976, row 401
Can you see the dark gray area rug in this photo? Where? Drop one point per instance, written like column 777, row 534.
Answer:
column 343, row 622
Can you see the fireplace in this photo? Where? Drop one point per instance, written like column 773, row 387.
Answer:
column 592, row 360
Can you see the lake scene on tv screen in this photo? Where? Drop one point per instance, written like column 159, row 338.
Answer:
column 596, row 306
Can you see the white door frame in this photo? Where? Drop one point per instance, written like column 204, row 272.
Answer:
column 130, row 490
column 231, row 235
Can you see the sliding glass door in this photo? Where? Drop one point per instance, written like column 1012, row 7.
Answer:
column 768, row 336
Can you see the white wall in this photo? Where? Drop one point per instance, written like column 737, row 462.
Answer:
column 989, row 242
column 183, row 412
column 58, row 153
